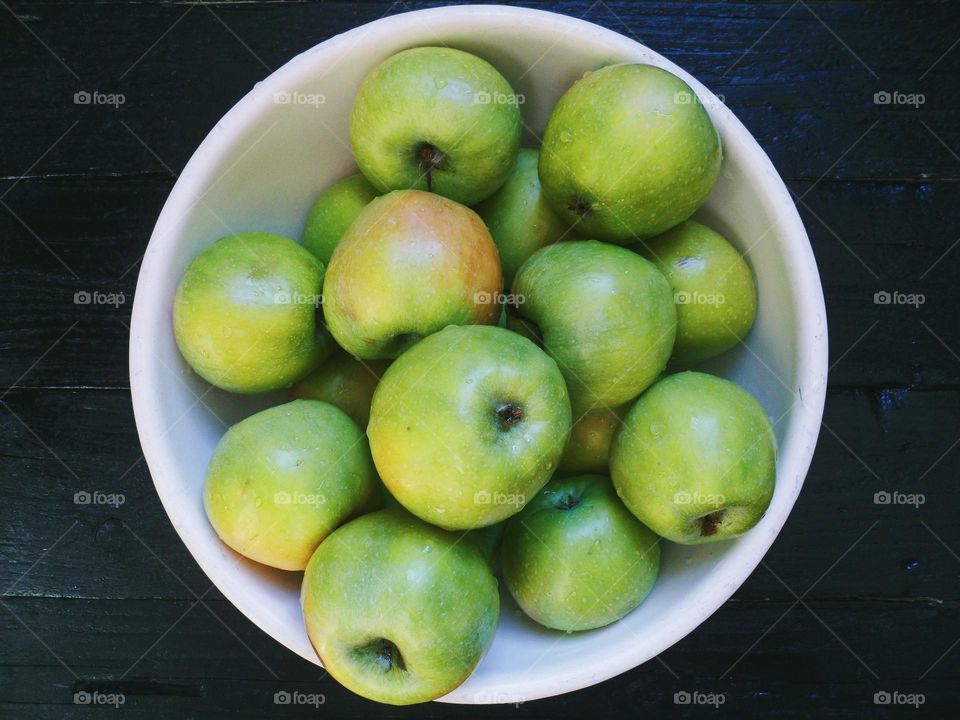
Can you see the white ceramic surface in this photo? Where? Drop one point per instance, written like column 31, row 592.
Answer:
column 262, row 166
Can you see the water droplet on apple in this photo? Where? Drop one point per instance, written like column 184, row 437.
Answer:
column 566, row 136
column 258, row 502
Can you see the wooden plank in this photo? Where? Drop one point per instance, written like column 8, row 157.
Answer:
column 61, row 239
column 200, row 669
column 899, row 442
column 868, row 237
column 801, row 76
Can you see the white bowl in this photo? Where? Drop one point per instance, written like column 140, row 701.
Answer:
column 265, row 162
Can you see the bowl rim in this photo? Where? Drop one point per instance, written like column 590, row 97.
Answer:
column 811, row 327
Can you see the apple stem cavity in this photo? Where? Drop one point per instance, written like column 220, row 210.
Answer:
column 579, row 206
column 385, row 654
column 430, row 159
column 709, row 524
column 403, row 341
column 508, row 415
column 568, row 502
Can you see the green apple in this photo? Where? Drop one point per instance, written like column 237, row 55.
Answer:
column 282, row 480
column 245, row 313
column 575, row 558
column 695, row 459
column 520, row 220
column 344, row 381
column 628, row 153
column 399, row 611
column 608, row 320
column 333, row 212
column 588, row 449
column 712, row 285
column 468, row 424
column 410, row 264
column 436, row 119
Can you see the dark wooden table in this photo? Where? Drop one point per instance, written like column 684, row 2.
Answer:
column 855, row 597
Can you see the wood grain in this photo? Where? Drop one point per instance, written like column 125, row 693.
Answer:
column 797, row 84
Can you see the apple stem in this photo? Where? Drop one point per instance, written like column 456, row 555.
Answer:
column 430, row 160
column 508, row 414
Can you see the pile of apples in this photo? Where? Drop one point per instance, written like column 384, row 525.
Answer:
column 490, row 392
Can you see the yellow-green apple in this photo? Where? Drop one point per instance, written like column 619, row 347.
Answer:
column 333, row 212
column 282, row 480
column 436, row 119
column 410, row 264
column 575, row 558
column 520, row 220
column 629, row 151
column 468, row 424
column 712, row 285
column 344, row 381
column 695, row 459
column 399, row 611
column 588, row 449
column 245, row 313
column 608, row 320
